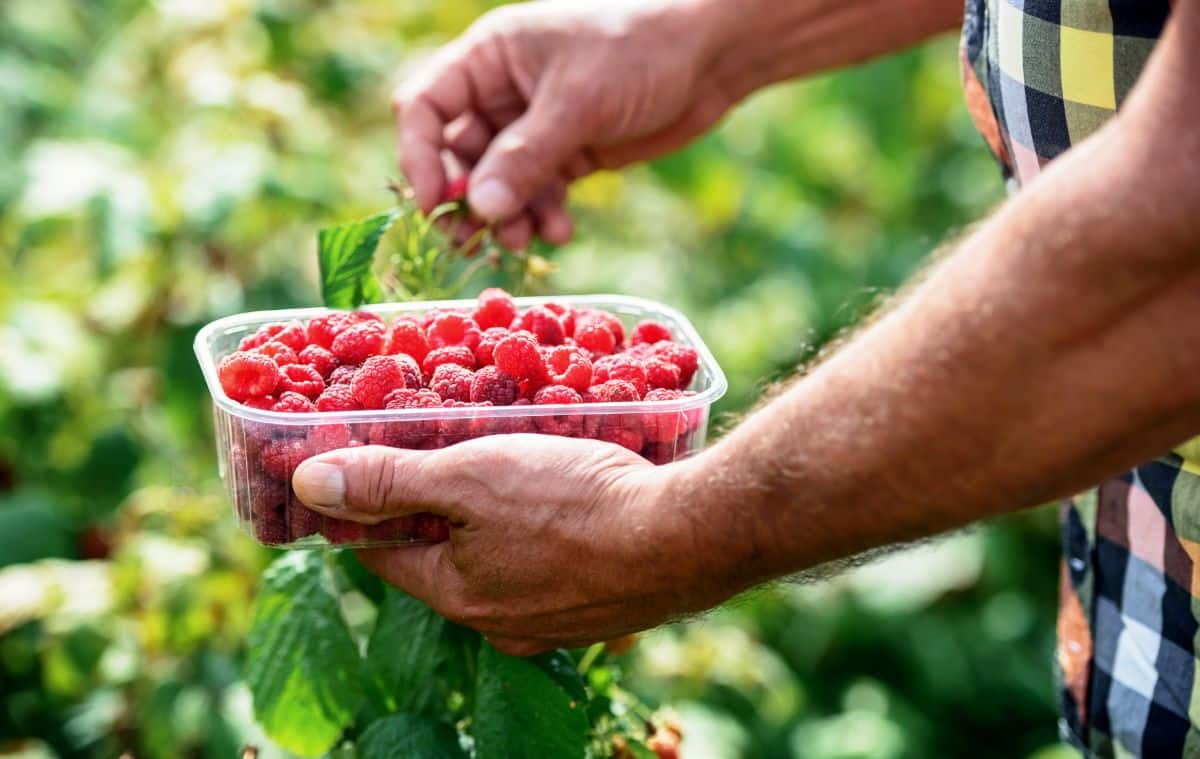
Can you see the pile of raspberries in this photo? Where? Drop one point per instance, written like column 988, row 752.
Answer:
column 495, row 355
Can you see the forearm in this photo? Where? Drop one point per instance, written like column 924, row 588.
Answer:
column 766, row 41
column 1058, row 345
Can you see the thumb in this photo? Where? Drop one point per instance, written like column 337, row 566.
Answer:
column 524, row 157
column 373, row 483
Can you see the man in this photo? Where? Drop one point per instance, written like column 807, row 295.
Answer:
column 1057, row 346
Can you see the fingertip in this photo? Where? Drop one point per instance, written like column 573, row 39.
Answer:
column 555, row 226
column 320, row 483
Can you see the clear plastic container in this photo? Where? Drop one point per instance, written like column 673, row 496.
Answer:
column 259, row 450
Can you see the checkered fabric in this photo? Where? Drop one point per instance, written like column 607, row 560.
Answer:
column 1040, row 76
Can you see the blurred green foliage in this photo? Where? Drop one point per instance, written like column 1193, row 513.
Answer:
column 169, row 162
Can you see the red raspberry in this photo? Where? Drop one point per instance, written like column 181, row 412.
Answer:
column 453, row 430
column 517, row 356
column 487, row 345
column 661, row 373
column 342, row 375
column 456, row 190
column 408, row 433
column 453, row 328
column 431, row 527
column 566, row 425
column 322, row 330
column 516, row 425
column 394, row 530
column 544, row 324
column 428, row 317
column 328, row 437
column 359, row 342
column 566, row 317
column 620, row 367
column 302, row 521
column 343, row 531
column 593, row 335
column 290, row 334
column 452, row 382
column 451, row 354
column 614, row 391
column 494, row 386
column 293, row 336
column 378, row 376
column 408, row 337
column 612, row 321
column 682, row 356
column 302, row 379
column 568, row 366
column 263, row 403
column 268, row 504
column 281, row 354
column 624, row 430
column 337, row 398
column 320, row 359
column 663, row 426
column 247, row 375
column 281, row 457
column 294, row 403
column 650, row 332
column 495, row 308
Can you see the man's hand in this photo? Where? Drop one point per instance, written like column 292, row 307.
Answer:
column 553, row 542
column 538, row 94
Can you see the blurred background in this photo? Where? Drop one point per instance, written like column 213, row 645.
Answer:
column 168, row 162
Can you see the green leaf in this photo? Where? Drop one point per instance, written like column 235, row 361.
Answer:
column 408, row 736
column 346, row 253
column 406, row 649
column 303, row 668
column 561, row 667
column 522, row 712
column 639, row 750
column 32, row 528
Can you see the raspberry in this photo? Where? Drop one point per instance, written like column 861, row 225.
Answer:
column 592, row 335
column 487, row 345
column 544, row 324
column 566, row 425
column 408, row 433
column 281, row 457
column 452, row 382
column 620, row 368
column 517, row 356
column 247, row 375
column 290, row 334
column 343, row 531
column 682, row 356
column 568, row 366
column 516, row 425
column 328, row 437
column 320, row 359
column 566, row 317
column 281, row 354
column 294, row 403
column 263, row 403
column 650, row 332
column 429, row 317
column 452, row 328
column 302, row 379
column 359, row 342
column 661, row 373
column 663, row 426
column 614, row 391
column 431, row 527
column 453, row 430
column 457, row 189
column 492, row 385
column 495, row 308
column 624, row 430
column 391, row 530
column 378, row 376
column 268, row 502
column 302, row 521
column 342, row 375
column 451, row 354
column 408, row 337
column 322, row 330
column 609, row 320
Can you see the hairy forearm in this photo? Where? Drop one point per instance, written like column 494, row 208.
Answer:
column 762, row 42
column 1057, row 345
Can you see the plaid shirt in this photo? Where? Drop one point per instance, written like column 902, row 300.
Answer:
column 1039, row 76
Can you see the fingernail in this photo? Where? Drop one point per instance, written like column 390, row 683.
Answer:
column 492, row 199
column 320, row 485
